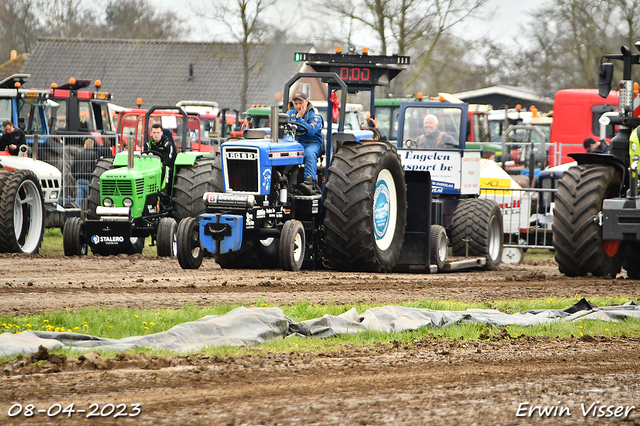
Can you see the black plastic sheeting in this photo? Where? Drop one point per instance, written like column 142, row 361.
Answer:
column 244, row 326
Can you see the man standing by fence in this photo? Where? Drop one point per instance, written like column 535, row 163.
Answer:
column 83, row 165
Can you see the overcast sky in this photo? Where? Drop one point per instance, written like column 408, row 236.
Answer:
column 507, row 20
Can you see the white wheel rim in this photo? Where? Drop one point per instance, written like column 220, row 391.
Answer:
column 385, row 210
column 442, row 247
column 495, row 237
column 28, row 196
column 297, row 247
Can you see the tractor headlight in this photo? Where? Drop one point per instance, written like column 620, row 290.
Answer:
column 53, row 195
column 127, row 202
column 108, row 202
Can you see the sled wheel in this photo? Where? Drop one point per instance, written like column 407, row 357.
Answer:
column 438, row 246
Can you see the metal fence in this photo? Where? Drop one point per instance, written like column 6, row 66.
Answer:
column 527, row 215
column 68, row 154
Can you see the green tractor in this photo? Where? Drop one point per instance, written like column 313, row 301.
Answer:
column 127, row 200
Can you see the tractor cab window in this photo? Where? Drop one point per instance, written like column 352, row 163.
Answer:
column 30, row 117
column 59, row 115
column 86, row 121
column 387, row 118
column 5, row 109
column 432, row 127
column 103, row 121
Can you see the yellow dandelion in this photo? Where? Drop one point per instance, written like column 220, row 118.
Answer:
column 152, row 323
column 146, row 328
column 606, row 329
column 264, row 304
column 110, row 326
column 70, row 331
column 144, row 322
column 46, row 321
column 29, row 325
column 579, row 326
column 76, row 328
column 57, row 329
column 17, row 326
column 581, row 333
column 516, row 334
column 548, row 301
column 135, row 316
column 86, row 326
column 602, row 303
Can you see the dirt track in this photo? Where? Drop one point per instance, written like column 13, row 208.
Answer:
column 431, row 381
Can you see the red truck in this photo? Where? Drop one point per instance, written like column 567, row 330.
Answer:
column 575, row 118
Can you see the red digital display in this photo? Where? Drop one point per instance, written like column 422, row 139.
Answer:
column 353, row 74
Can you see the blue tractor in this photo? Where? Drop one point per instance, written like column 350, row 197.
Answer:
column 369, row 215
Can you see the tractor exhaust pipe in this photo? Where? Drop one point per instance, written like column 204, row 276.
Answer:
column 274, row 117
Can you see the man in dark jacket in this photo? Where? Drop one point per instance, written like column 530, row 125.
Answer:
column 82, row 168
column 167, row 149
column 432, row 137
column 12, row 138
column 303, row 114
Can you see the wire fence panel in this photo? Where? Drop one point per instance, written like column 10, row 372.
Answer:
column 527, row 215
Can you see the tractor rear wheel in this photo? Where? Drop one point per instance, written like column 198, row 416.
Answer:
column 93, row 199
column 166, row 237
column 21, row 213
column 74, row 241
column 478, row 223
column 366, row 208
column 190, row 252
column 190, row 184
column 577, row 237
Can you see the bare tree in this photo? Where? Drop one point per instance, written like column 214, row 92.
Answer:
column 18, row 26
column 68, row 18
column 139, row 19
column 245, row 25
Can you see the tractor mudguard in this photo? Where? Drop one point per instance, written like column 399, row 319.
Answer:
column 189, row 158
column 221, row 233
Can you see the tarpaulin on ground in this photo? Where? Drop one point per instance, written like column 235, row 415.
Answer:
column 244, row 326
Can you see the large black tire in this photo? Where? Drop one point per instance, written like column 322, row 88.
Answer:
column 190, row 185
column 93, row 199
column 166, row 238
column 216, row 180
column 136, row 246
column 577, row 237
column 479, row 221
column 631, row 263
column 190, row 252
column 438, row 246
column 74, row 242
column 366, row 208
column 292, row 245
column 21, row 213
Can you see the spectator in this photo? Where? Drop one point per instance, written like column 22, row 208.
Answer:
column 489, row 155
column 12, row 138
column 596, row 147
column 83, row 165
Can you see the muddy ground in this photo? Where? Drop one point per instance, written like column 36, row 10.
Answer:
column 431, row 381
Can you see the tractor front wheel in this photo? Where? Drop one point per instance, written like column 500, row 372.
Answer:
column 190, row 252
column 167, row 237
column 292, row 245
column 74, row 241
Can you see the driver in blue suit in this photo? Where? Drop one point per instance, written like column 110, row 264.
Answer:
column 303, row 114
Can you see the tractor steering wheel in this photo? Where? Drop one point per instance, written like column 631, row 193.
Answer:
column 300, row 129
column 155, row 152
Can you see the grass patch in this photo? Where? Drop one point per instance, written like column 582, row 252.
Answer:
column 120, row 323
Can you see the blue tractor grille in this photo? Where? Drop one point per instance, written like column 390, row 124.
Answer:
column 241, row 167
column 115, row 187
